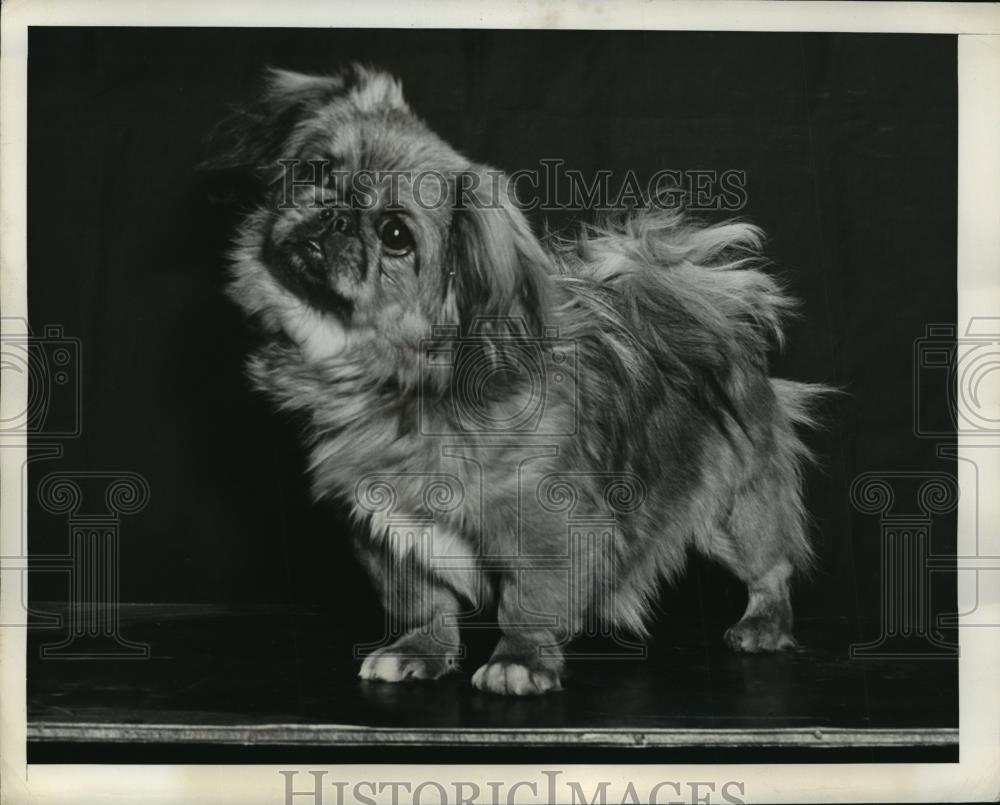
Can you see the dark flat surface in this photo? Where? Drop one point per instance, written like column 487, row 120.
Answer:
column 214, row 668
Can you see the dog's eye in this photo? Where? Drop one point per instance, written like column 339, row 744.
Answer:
column 395, row 236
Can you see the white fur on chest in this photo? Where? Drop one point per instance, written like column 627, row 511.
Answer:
column 319, row 335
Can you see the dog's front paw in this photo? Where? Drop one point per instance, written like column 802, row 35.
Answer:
column 757, row 634
column 513, row 679
column 408, row 659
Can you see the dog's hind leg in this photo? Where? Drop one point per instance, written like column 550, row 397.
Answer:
column 767, row 623
column 763, row 540
column 762, row 543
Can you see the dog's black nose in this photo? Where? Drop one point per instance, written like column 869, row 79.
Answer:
column 326, row 236
column 323, row 243
column 342, row 222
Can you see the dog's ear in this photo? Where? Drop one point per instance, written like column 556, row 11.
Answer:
column 496, row 272
column 252, row 139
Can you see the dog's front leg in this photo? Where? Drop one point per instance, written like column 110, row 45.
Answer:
column 418, row 602
column 536, row 622
column 424, row 652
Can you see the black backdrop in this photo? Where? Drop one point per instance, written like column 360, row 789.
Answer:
column 848, row 143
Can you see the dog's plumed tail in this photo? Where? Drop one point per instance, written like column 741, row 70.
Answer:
column 709, row 271
column 675, row 306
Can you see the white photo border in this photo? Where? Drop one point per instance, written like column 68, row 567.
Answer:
column 975, row 778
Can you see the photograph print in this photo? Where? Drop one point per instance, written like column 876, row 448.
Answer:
column 491, row 396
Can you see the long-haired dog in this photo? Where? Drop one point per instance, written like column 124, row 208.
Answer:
column 541, row 428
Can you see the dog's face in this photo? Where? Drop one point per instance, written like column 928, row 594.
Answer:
column 370, row 224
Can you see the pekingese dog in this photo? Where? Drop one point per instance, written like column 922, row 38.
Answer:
column 540, row 429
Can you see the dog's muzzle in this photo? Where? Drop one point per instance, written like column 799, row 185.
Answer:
column 308, row 260
column 320, row 244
